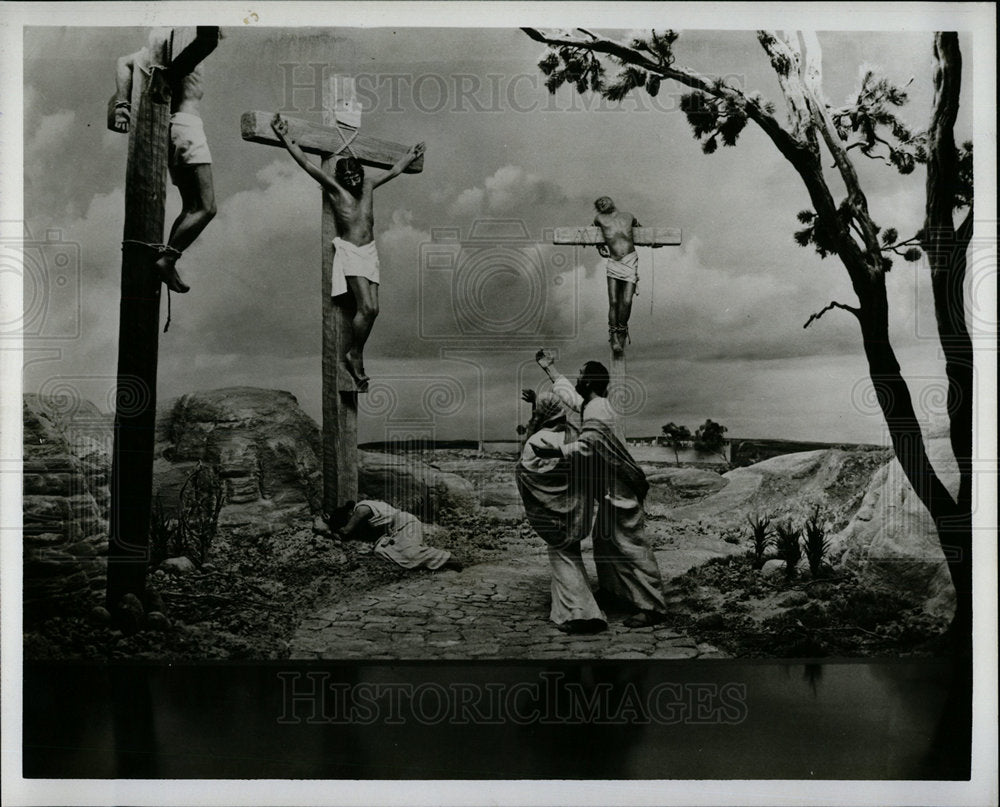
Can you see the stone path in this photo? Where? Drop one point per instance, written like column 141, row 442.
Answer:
column 490, row 610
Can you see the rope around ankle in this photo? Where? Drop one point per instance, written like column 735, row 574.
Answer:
column 159, row 249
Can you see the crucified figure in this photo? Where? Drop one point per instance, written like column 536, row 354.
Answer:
column 190, row 161
column 355, row 257
column 622, row 267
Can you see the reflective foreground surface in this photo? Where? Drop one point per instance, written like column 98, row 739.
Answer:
column 722, row 719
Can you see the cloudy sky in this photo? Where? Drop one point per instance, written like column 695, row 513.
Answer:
column 471, row 287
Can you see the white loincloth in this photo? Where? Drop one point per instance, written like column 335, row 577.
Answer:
column 351, row 260
column 625, row 269
column 188, row 144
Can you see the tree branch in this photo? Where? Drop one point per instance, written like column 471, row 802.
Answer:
column 825, row 124
column 788, row 145
column 834, row 304
column 786, row 60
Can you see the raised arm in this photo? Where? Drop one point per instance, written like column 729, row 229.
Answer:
column 280, row 127
column 561, row 385
column 400, row 166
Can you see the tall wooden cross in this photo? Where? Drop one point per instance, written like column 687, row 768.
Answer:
column 641, row 237
column 139, row 315
column 337, row 136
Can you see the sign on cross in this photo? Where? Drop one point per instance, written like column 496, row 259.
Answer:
column 337, row 136
column 173, row 53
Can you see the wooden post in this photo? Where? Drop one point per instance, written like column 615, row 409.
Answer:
column 139, row 329
column 641, row 236
column 340, row 395
column 340, row 392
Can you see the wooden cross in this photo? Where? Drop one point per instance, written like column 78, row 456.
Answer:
column 337, row 136
column 641, row 237
column 139, row 316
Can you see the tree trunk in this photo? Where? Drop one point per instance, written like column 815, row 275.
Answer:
column 946, row 250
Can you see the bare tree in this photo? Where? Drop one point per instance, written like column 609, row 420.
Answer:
column 815, row 132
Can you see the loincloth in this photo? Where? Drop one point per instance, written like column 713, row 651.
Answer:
column 350, row 260
column 625, row 269
column 188, row 144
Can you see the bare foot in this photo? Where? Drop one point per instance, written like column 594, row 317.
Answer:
column 356, row 366
column 166, row 267
column 617, row 339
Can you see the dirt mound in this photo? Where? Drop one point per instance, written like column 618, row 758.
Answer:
column 789, row 486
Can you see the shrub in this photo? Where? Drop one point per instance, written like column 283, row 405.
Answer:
column 816, row 545
column 202, row 497
column 164, row 534
column 760, row 537
column 787, row 544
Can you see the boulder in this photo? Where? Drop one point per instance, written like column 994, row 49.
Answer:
column 180, row 565
column 264, row 449
column 66, row 465
column 670, row 486
column 411, row 485
column 892, row 540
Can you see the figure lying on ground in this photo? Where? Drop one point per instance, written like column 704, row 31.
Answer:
column 398, row 536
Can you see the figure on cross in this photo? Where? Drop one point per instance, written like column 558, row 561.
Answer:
column 622, row 267
column 189, row 162
column 355, row 260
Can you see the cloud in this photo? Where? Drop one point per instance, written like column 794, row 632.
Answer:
column 48, row 135
column 511, row 189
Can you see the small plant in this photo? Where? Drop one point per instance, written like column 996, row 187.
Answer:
column 201, row 497
column 787, row 545
column 163, row 534
column 816, row 545
column 760, row 537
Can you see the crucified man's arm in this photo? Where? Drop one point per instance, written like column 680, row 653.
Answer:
column 280, row 126
column 400, row 166
column 123, row 91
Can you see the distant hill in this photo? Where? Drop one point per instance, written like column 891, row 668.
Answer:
column 748, row 451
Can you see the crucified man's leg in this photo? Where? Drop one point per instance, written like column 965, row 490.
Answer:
column 620, row 293
column 366, row 301
column 626, row 292
column 198, row 198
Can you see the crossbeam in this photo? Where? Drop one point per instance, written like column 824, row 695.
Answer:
column 314, row 138
column 641, row 236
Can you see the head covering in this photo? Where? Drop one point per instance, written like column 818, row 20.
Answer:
column 548, row 411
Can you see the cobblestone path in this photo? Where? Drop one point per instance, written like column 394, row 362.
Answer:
column 489, row 610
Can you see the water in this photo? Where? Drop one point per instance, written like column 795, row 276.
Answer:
column 594, row 720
